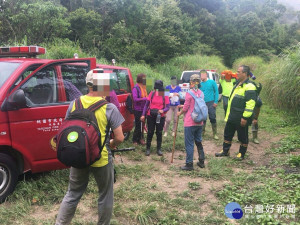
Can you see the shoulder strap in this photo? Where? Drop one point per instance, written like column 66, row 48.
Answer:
column 164, row 104
column 78, row 104
column 192, row 94
column 137, row 90
column 97, row 105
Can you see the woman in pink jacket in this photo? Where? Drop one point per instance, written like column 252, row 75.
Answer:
column 192, row 130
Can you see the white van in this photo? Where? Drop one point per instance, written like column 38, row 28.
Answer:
column 185, row 80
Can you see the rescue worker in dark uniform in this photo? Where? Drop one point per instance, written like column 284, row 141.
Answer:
column 239, row 113
column 255, row 120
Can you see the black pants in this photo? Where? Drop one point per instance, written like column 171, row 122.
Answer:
column 151, row 122
column 242, row 132
column 137, row 134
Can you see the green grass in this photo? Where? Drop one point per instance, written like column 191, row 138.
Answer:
column 150, row 190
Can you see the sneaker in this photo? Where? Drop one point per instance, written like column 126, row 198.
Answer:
column 173, row 134
column 135, row 143
column 239, row 156
column 221, row 154
column 165, row 134
column 216, row 137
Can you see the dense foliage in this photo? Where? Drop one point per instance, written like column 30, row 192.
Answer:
column 152, row 31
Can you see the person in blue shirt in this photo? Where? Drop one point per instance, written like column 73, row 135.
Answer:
column 174, row 95
column 211, row 97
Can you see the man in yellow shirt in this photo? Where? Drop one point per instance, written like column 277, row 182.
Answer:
column 227, row 82
column 108, row 116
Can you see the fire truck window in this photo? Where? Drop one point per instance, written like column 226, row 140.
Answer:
column 28, row 71
column 122, row 84
column 41, row 89
column 74, row 80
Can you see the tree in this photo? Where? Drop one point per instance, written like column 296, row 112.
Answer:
column 39, row 21
column 86, row 28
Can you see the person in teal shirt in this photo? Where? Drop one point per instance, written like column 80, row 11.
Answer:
column 211, row 97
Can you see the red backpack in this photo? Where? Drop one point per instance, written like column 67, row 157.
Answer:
column 79, row 138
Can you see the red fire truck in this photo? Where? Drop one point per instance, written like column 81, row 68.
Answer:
column 34, row 96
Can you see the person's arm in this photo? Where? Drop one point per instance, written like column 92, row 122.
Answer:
column 186, row 105
column 115, row 120
column 250, row 97
column 216, row 91
column 146, row 108
column 118, row 137
column 135, row 95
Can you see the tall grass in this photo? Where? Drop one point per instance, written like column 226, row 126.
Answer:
column 257, row 65
column 282, row 81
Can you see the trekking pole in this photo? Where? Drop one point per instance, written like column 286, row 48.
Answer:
column 173, row 149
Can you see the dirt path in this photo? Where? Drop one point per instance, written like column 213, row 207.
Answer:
column 168, row 177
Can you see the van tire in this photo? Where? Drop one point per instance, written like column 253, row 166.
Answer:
column 8, row 176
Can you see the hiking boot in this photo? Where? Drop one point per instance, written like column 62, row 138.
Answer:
column 159, row 152
column 201, row 163
column 147, row 153
column 214, row 129
column 221, row 154
column 188, row 167
column 239, row 156
column 165, row 134
column 255, row 139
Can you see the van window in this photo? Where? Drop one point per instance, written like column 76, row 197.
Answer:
column 41, row 89
column 187, row 75
column 74, row 80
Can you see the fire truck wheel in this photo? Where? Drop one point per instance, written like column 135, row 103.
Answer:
column 8, row 176
column 126, row 136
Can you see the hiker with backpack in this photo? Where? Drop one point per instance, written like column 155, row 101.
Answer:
column 104, row 116
column 155, row 109
column 211, row 93
column 195, row 113
column 139, row 96
column 239, row 112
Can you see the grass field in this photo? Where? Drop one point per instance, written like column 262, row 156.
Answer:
column 151, row 190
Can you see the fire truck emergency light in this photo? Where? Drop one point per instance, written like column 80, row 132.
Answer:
column 21, row 51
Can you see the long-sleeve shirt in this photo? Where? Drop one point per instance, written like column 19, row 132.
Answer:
column 227, row 86
column 138, row 101
column 113, row 98
column 188, row 108
column 210, row 90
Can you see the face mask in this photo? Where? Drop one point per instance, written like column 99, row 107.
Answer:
column 195, row 85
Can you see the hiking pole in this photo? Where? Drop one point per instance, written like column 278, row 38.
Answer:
column 173, row 149
column 122, row 150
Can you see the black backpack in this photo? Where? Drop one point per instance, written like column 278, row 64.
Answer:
column 129, row 102
column 79, row 138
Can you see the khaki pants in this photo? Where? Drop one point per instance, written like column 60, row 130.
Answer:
column 171, row 113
